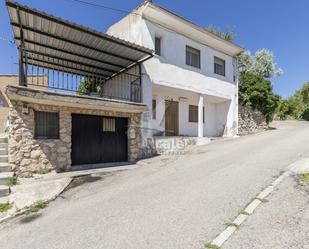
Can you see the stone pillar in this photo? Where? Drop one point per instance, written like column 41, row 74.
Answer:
column 200, row 116
column 135, row 148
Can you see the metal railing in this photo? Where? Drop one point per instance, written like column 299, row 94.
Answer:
column 124, row 86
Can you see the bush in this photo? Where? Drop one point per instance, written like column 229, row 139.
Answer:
column 257, row 93
column 296, row 106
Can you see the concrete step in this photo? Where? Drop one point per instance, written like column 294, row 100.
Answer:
column 4, row 176
column 3, row 151
column 3, row 146
column 5, row 167
column 4, row 190
column 3, row 158
column 4, row 200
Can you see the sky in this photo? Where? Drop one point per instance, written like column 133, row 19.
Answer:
column 278, row 25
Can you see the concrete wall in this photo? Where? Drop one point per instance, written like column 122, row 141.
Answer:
column 216, row 111
column 170, row 70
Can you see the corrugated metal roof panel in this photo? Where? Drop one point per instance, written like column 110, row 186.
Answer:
column 46, row 38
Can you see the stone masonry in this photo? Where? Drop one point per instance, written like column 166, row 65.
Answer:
column 29, row 154
column 250, row 121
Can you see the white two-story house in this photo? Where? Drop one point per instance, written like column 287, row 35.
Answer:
column 104, row 96
column 190, row 85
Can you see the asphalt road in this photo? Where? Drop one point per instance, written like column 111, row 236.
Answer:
column 183, row 203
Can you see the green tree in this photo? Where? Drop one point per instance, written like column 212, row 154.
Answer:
column 283, row 110
column 228, row 35
column 262, row 63
column 296, row 106
column 304, row 92
column 257, row 93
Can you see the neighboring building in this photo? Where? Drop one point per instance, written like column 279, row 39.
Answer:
column 191, row 83
column 13, row 80
column 102, row 98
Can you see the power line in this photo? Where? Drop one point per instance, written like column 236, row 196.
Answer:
column 96, row 5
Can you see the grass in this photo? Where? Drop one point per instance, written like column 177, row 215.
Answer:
column 26, row 175
column 42, row 171
column 5, row 207
column 11, row 181
column 303, row 179
column 211, row 246
column 5, row 140
column 36, row 206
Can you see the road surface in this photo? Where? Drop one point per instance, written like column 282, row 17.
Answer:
column 183, row 203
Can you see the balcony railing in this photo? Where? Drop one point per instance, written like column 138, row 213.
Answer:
column 125, row 86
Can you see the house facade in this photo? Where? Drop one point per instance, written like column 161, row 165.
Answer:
column 190, row 85
column 85, row 97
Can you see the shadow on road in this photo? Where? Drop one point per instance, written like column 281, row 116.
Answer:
column 30, row 218
column 78, row 181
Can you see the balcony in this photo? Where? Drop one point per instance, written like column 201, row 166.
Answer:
column 61, row 56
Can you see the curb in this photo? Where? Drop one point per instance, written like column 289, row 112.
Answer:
column 249, row 210
column 23, row 211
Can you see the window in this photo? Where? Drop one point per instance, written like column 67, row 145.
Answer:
column 158, row 46
column 154, row 109
column 193, row 114
column 109, row 125
column 219, row 66
column 193, row 57
column 46, row 125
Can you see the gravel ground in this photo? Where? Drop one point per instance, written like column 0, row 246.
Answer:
column 180, row 203
column 283, row 222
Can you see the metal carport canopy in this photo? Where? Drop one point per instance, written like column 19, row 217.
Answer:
column 52, row 42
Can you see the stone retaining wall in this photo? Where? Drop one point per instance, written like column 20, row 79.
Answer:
column 29, row 154
column 250, row 121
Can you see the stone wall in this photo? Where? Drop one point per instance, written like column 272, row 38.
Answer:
column 250, row 121
column 29, row 154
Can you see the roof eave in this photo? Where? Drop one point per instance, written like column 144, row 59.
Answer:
column 232, row 49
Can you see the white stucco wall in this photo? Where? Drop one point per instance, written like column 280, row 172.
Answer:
column 170, row 70
column 216, row 111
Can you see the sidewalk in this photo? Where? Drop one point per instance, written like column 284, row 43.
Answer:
column 282, row 222
column 25, row 194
